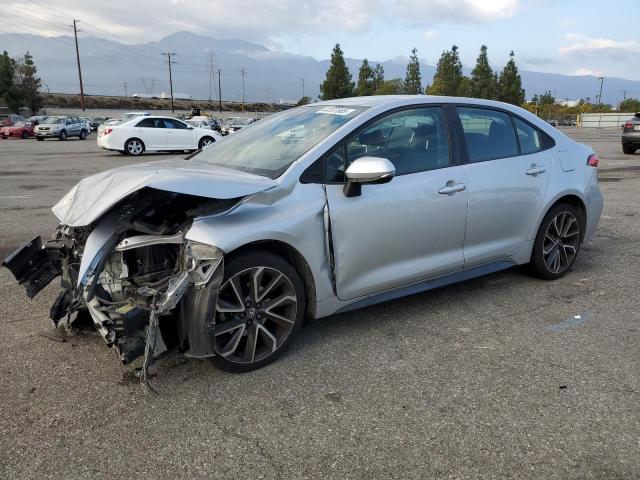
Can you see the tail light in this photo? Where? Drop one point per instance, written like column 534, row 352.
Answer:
column 628, row 126
column 593, row 160
column 107, row 131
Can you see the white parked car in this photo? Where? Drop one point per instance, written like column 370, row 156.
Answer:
column 152, row 133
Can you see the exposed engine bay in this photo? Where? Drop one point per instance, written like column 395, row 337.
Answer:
column 133, row 272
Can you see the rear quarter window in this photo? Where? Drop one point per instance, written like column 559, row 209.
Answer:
column 489, row 134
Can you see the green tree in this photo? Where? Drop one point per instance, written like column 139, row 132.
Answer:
column 483, row 79
column 365, row 79
column 29, row 83
column 546, row 98
column 378, row 78
column 395, row 86
column 9, row 91
column 510, row 84
column 303, row 101
column 630, row 105
column 448, row 76
column 413, row 79
column 338, row 82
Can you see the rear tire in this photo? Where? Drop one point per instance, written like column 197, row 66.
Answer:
column 270, row 316
column 62, row 136
column 205, row 142
column 134, row 147
column 628, row 149
column 557, row 243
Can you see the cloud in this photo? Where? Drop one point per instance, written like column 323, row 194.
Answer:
column 147, row 20
column 453, row 10
column 584, row 45
column 588, row 72
column 429, row 34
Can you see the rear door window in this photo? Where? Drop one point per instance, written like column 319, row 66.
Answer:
column 150, row 123
column 530, row 139
column 489, row 134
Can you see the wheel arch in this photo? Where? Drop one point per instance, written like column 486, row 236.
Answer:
column 291, row 255
column 574, row 199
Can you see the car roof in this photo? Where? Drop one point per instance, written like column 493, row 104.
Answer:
column 390, row 101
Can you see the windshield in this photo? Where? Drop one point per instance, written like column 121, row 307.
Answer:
column 53, row 120
column 272, row 144
column 193, row 123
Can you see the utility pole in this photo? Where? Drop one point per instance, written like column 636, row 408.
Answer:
column 125, row 90
column 302, row 86
column 219, row 92
column 624, row 94
column 47, row 85
column 75, row 34
column 211, row 81
column 243, row 71
column 600, row 95
column 169, row 61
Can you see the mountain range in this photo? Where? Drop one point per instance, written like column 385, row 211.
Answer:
column 267, row 75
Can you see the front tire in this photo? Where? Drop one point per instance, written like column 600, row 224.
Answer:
column 25, row 135
column 205, row 142
column 83, row 135
column 261, row 305
column 40, row 139
column 134, row 147
column 62, row 136
column 557, row 243
column 628, row 149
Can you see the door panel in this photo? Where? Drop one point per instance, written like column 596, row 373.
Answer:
column 505, row 194
column 152, row 132
column 397, row 233
column 504, row 202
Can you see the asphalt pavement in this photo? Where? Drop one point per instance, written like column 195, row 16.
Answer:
column 500, row 377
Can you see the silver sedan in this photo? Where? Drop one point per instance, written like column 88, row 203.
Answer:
column 312, row 211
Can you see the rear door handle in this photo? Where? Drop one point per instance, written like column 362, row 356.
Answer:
column 449, row 189
column 535, row 170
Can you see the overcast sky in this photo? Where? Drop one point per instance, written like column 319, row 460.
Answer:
column 559, row 36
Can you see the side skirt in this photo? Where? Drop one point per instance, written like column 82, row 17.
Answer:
column 414, row 288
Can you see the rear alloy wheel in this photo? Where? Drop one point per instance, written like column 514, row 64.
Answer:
column 134, row 147
column 557, row 242
column 205, row 142
column 63, row 135
column 260, row 306
column 83, row 135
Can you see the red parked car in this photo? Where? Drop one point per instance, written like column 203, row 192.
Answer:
column 18, row 130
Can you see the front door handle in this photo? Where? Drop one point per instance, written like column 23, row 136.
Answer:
column 449, row 189
column 535, row 170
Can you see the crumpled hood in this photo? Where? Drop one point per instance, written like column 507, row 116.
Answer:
column 94, row 195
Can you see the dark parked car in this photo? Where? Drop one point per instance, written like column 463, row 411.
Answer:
column 631, row 135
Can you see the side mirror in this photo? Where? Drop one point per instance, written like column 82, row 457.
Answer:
column 367, row 170
column 190, row 127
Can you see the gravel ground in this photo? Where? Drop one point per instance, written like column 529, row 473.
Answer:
column 490, row 378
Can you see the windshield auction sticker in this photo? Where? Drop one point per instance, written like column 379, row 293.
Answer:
column 336, row 110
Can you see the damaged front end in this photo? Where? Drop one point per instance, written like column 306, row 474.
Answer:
column 134, row 273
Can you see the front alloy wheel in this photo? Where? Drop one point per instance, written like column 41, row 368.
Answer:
column 205, row 142
column 260, row 306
